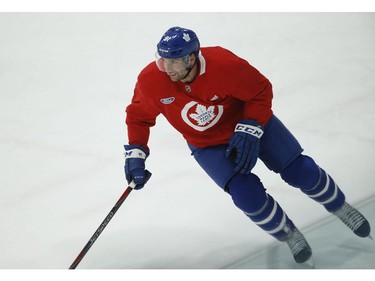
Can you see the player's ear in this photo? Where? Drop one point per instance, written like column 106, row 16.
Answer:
column 192, row 59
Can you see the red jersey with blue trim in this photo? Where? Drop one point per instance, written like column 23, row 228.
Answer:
column 226, row 90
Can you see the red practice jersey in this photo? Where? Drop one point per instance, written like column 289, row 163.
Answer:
column 226, row 90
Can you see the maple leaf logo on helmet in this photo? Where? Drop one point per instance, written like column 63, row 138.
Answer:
column 186, row 37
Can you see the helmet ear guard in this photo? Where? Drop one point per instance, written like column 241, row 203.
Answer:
column 186, row 60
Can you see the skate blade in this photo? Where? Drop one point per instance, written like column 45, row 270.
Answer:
column 309, row 264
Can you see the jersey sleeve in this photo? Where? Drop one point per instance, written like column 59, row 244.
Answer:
column 140, row 116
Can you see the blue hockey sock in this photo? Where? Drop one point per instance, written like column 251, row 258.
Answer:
column 250, row 196
column 304, row 174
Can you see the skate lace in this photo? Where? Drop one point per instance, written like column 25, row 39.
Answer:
column 296, row 242
column 350, row 217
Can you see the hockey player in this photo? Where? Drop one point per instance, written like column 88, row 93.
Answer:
column 222, row 107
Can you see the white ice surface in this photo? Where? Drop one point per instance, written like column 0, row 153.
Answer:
column 65, row 80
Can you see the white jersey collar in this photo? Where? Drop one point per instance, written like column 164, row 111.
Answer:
column 202, row 62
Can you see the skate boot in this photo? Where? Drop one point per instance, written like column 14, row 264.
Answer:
column 298, row 246
column 354, row 220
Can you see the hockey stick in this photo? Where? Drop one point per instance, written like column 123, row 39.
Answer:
column 102, row 226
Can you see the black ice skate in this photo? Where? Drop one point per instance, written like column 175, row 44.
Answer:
column 354, row 220
column 298, row 246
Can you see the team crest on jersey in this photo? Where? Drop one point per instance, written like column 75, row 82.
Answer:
column 167, row 100
column 201, row 117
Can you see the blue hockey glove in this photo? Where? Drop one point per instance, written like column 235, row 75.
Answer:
column 245, row 144
column 135, row 157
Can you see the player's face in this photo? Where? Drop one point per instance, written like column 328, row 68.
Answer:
column 175, row 68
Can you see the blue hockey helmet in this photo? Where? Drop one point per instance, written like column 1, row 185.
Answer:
column 178, row 42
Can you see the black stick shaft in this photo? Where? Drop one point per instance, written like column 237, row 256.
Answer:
column 101, row 227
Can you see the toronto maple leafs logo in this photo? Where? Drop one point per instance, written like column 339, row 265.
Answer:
column 203, row 114
column 186, row 37
column 201, row 117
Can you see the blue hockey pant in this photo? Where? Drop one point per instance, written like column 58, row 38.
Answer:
column 281, row 153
